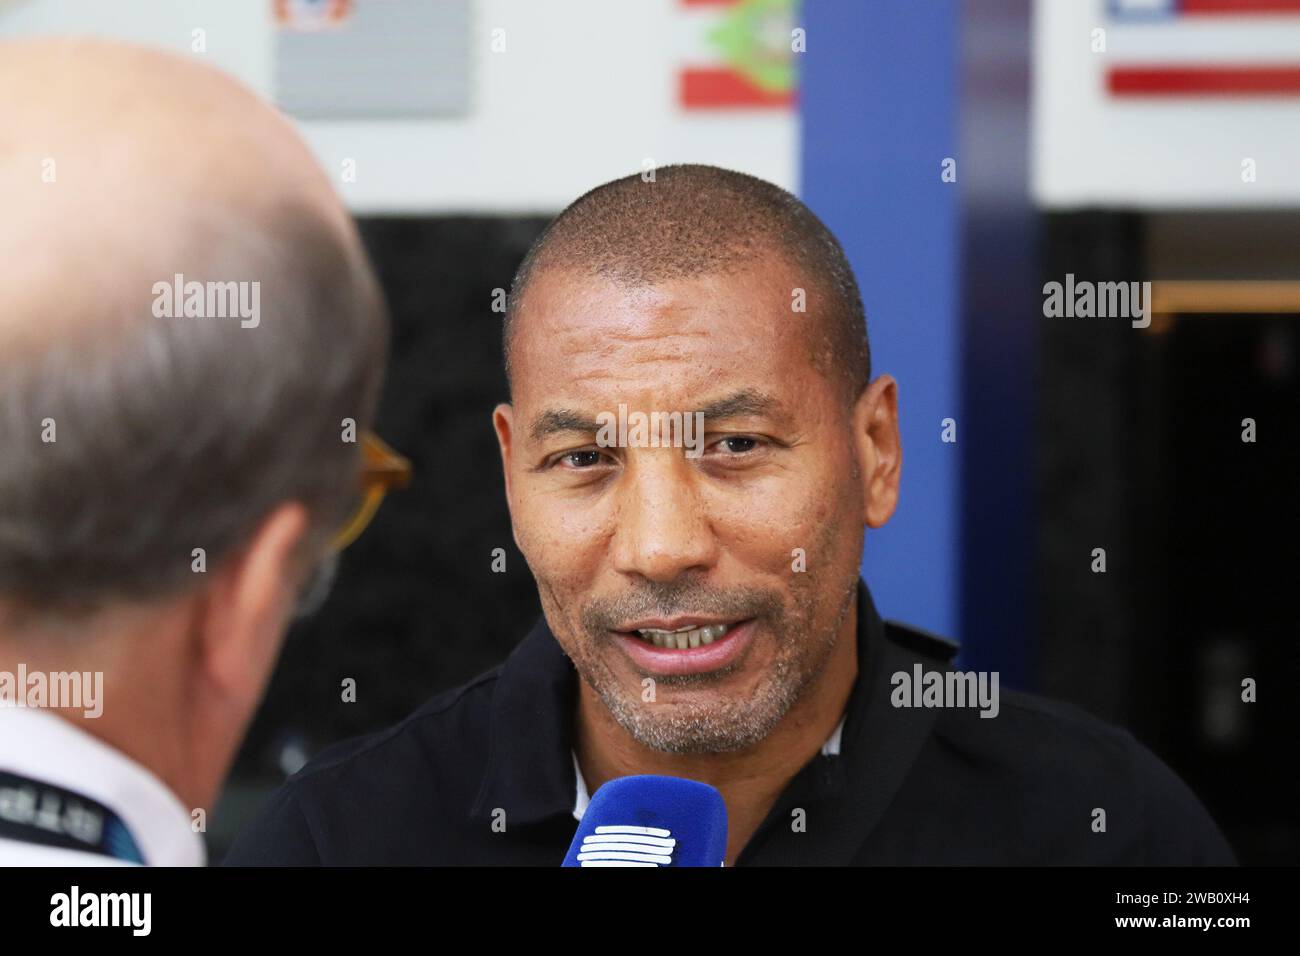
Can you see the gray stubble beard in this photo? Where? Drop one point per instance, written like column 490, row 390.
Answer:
column 734, row 724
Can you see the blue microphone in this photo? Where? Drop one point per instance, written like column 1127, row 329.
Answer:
column 648, row 820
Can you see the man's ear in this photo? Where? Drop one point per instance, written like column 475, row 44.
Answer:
column 503, row 420
column 879, row 449
column 249, row 607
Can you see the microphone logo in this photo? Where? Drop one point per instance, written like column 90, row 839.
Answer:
column 627, row 846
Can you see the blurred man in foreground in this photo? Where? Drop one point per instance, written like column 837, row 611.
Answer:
column 704, row 616
column 187, row 323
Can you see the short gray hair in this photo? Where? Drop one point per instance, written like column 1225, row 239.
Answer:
column 181, row 433
column 692, row 220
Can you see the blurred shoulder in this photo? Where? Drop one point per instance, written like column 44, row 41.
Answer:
column 1068, row 772
column 370, row 799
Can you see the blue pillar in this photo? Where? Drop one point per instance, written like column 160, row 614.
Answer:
column 879, row 100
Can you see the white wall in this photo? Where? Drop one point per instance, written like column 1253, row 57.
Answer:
column 584, row 92
column 238, row 33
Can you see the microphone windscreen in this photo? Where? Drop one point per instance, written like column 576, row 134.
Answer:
column 649, row 820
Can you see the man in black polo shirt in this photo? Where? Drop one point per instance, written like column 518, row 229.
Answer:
column 693, row 450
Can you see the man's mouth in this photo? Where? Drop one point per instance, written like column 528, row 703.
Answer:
column 686, row 646
column 682, row 638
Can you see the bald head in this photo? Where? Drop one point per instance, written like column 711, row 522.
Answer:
column 125, row 161
column 124, row 170
column 692, row 221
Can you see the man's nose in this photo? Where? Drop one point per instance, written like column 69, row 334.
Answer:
column 663, row 527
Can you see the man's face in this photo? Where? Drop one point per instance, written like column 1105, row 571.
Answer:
column 698, row 590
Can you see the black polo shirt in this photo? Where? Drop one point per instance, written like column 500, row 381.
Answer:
column 484, row 774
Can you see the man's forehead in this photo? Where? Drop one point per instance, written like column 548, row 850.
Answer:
column 562, row 299
column 597, row 326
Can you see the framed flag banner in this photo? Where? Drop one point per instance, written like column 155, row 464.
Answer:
column 312, row 14
column 1200, row 63
column 1166, row 103
column 737, row 54
column 361, row 59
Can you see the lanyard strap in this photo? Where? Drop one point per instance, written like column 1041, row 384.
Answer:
column 32, row 811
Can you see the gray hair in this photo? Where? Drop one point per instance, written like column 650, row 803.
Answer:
column 173, row 434
column 692, row 220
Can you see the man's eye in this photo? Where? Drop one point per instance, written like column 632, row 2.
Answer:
column 580, row 459
column 738, row 444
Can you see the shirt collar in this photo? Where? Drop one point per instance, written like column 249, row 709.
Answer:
column 532, row 773
column 43, row 746
column 582, row 798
